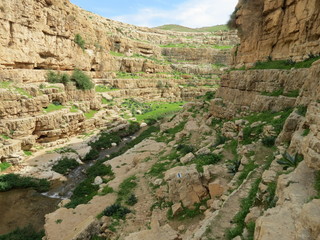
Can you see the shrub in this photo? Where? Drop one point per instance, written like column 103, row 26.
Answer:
column 13, row 181
column 232, row 21
column 184, row 149
column 79, row 41
column 27, row 233
column 83, row 193
column 116, row 211
column 82, row 80
column 92, row 155
column 269, row 141
column 65, row 165
column 99, row 169
column 132, row 200
column 302, row 110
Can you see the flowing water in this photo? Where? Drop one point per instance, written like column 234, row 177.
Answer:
column 23, row 207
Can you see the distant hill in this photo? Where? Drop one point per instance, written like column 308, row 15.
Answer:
column 179, row 28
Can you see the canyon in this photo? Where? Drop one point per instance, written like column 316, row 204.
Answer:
column 237, row 158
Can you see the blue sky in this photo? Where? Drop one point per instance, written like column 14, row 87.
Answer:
column 190, row 13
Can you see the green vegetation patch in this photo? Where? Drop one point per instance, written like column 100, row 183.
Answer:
column 159, row 110
column 14, row 181
column 126, row 188
column 245, row 206
column 90, row 114
column 65, row 165
column 285, row 64
column 23, row 92
column 276, row 119
column 279, row 92
column 85, row 190
column 27, row 233
column 52, row 107
column 4, row 166
column 103, row 88
column 79, row 41
column 117, row 54
column 205, row 159
column 82, row 80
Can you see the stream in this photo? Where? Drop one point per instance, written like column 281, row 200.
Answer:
column 23, row 207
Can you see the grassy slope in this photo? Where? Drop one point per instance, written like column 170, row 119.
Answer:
column 178, row 28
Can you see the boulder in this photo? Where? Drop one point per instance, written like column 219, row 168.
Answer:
column 187, row 158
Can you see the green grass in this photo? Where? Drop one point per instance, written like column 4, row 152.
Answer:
column 102, row 88
column 74, row 109
column 116, row 54
column 106, row 190
column 26, row 233
column 5, row 137
column 14, row 181
column 279, row 92
column 5, row 84
column 159, row 110
column 222, row 47
column 251, row 134
column 285, row 64
column 126, row 188
column 317, row 184
column 245, row 172
column 52, row 107
column 4, row 166
column 205, row 159
column 65, row 165
column 126, row 75
column 23, row 92
column 85, row 190
column 245, row 206
column 306, row 132
column 187, row 213
column 27, row 153
column 90, row 114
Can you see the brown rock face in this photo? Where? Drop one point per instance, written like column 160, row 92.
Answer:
column 278, row 29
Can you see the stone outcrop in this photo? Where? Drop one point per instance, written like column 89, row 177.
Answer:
column 253, row 92
column 277, row 29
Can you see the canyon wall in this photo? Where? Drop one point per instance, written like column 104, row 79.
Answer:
column 277, row 29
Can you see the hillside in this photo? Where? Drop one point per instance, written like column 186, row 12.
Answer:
column 179, row 28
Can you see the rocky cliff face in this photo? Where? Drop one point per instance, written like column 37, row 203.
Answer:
column 40, row 35
column 277, row 29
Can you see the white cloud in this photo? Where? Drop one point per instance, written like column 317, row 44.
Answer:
column 191, row 13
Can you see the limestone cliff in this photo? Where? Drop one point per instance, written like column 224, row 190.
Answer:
column 277, row 29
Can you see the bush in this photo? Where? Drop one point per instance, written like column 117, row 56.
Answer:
column 302, row 110
column 99, row 169
column 92, row 155
column 269, row 141
column 82, row 80
column 185, row 149
column 132, row 200
column 13, row 181
column 116, row 211
column 27, row 233
column 79, row 41
column 65, row 165
column 232, row 21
